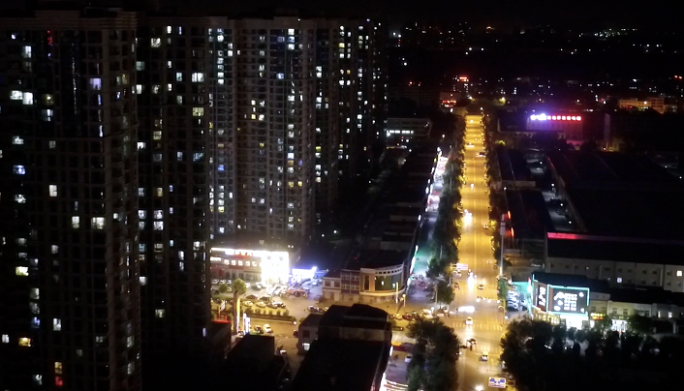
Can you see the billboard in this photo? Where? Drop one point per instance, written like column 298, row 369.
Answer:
column 567, row 300
column 541, row 297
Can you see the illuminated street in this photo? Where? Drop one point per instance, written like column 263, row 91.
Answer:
column 475, row 251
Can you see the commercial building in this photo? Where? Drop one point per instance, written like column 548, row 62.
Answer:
column 580, row 301
column 378, row 269
column 401, row 131
column 653, row 103
column 256, row 261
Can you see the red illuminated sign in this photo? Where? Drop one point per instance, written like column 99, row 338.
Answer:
column 544, row 117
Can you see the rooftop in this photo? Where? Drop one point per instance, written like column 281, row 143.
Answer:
column 513, row 165
column 376, row 259
column 312, row 320
column 621, row 194
column 571, row 280
column 610, row 170
column 341, row 365
column 617, row 249
column 529, row 215
column 356, row 316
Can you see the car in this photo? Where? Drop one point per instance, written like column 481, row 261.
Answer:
column 397, row 328
column 407, row 317
column 484, row 357
column 480, row 287
column 261, row 304
column 266, row 299
column 470, row 145
column 251, row 297
column 485, row 226
column 397, row 316
column 222, row 282
column 408, row 358
column 247, row 303
column 214, row 281
column 258, row 286
column 295, row 333
column 258, row 330
column 278, row 304
column 469, row 321
column 268, row 329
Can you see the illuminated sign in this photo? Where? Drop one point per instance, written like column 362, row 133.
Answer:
column 568, row 300
column 541, row 301
column 273, row 266
column 544, row 117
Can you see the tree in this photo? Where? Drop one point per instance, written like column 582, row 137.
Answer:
column 445, row 292
column 433, row 367
column 503, row 288
column 239, row 289
column 223, row 288
column 604, row 324
column 640, row 325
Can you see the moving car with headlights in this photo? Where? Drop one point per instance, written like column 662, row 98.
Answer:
column 469, row 321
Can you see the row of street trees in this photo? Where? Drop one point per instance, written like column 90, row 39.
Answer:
column 433, row 366
column 545, row 357
column 446, row 232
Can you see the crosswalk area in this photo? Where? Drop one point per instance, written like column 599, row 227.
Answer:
column 479, row 326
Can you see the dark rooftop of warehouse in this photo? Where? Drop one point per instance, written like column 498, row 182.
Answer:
column 341, row 365
column 572, row 281
column 610, row 170
column 512, row 122
column 529, row 215
column 625, row 250
column 356, row 316
column 623, row 195
column 646, row 295
column 512, row 165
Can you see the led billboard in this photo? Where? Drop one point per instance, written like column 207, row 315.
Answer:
column 567, row 300
column 541, row 297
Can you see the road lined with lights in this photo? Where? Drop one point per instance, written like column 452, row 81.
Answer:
column 477, row 298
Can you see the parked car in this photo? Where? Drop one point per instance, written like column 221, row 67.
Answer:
column 251, row 297
column 268, row 329
column 258, row 330
column 247, row 303
column 261, row 304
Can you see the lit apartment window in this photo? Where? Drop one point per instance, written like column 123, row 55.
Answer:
column 131, row 368
column 21, row 271
column 156, row 135
column 179, row 76
column 169, row 87
column 5, row 338
column 20, row 199
column 155, row 42
column 56, row 324
column 140, row 65
column 679, row 273
column 158, row 225
column 130, row 341
column 54, row 248
column 179, row 99
column 52, row 144
column 19, row 170
column 28, row 98
column 159, row 313
column 198, row 77
column 25, row 342
column 198, row 111
column 75, row 221
column 34, row 293
column 53, row 190
column 95, row 83
column 16, row 95
column 138, row 89
column 98, row 223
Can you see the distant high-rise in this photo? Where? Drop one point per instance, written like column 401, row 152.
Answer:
column 69, row 271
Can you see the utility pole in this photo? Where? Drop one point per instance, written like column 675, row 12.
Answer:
column 503, row 236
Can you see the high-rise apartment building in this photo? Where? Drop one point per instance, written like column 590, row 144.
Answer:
column 129, row 141
column 363, row 96
column 273, row 139
column 69, row 271
column 183, row 108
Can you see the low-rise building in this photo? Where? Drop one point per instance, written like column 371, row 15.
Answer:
column 262, row 261
column 350, row 351
column 307, row 332
column 253, row 364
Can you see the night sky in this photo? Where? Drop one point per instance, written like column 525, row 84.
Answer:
column 502, row 13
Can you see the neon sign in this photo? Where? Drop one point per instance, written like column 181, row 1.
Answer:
column 544, row 117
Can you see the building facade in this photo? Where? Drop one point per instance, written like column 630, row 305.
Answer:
column 69, row 274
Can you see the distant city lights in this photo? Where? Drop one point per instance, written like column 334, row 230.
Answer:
column 544, row 117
